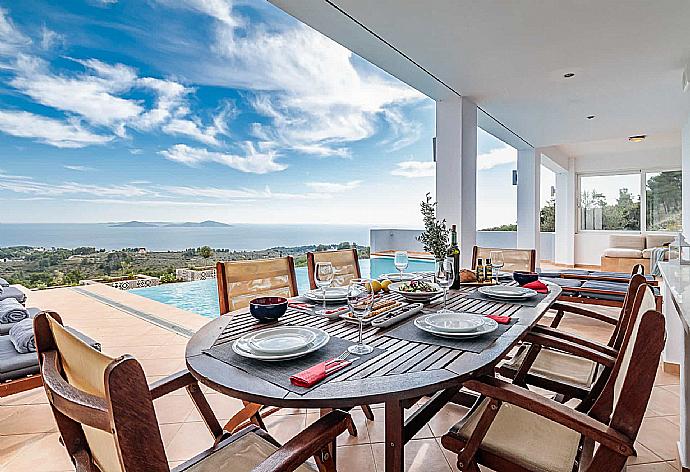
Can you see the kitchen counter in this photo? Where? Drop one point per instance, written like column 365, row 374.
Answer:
column 676, row 295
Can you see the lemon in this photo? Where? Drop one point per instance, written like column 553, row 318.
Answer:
column 376, row 286
column 385, row 284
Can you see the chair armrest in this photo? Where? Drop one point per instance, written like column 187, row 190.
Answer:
column 576, row 310
column 554, row 411
column 571, row 348
column 183, row 379
column 604, row 349
column 171, row 383
column 307, row 443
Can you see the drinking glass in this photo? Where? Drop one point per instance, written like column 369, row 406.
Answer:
column 401, row 262
column 444, row 277
column 497, row 262
column 323, row 276
column 360, row 299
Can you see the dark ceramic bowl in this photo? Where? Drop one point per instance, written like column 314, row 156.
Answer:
column 523, row 277
column 267, row 309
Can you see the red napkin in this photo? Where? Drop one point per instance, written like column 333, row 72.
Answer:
column 500, row 319
column 537, row 286
column 315, row 374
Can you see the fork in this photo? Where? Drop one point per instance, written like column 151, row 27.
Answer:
column 341, row 357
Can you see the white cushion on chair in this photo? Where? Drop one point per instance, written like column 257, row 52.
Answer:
column 524, row 438
column 623, row 252
column 558, row 366
column 241, row 455
column 627, row 241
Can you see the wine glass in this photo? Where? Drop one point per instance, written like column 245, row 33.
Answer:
column 401, row 262
column 497, row 262
column 360, row 299
column 444, row 277
column 323, row 276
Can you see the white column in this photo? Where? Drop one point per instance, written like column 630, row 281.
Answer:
column 528, row 204
column 565, row 215
column 456, row 169
column 685, row 166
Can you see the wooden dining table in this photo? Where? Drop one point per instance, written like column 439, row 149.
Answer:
column 398, row 377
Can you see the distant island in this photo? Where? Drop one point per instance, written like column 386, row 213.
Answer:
column 133, row 224
column 203, row 224
column 187, row 224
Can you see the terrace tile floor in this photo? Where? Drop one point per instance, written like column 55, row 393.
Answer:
column 29, row 441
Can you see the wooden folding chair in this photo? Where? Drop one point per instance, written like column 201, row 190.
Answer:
column 511, row 429
column 514, row 259
column 104, row 411
column 241, row 281
column 570, row 365
column 345, row 265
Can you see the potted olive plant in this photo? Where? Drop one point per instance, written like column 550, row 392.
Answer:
column 435, row 235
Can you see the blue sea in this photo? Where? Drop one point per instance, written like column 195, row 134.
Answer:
column 236, row 237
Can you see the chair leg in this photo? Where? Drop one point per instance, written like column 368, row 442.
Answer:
column 367, row 412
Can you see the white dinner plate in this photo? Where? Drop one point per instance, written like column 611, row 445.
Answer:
column 507, row 292
column 242, row 348
column 454, row 322
column 488, row 326
column 281, row 340
column 395, row 276
column 335, row 294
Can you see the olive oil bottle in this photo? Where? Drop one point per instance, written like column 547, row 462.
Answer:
column 454, row 252
column 480, row 271
column 488, row 272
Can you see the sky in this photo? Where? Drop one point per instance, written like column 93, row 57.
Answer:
column 188, row 110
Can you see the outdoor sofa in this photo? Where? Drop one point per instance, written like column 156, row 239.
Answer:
column 627, row 250
column 21, row 372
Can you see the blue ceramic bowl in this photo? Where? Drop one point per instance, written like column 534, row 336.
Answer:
column 267, row 309
column 523, row 277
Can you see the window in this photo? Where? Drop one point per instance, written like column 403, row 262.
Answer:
column 610, row 202
column 664, row 198
column 617, row 202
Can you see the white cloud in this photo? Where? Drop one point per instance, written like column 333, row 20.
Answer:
column 30, row 186
column 11, row 39
column 79, row 168
column 50, row 38
column 193, row 130
column 496, row 157
column 413, row 169
column 333, row 187
column 47, row 130
column 318, row 97
column 252, row 161
column 404, row 131
column 144, row 193
column 91, row 96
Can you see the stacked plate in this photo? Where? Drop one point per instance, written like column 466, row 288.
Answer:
column 280, row 343
column 506, row 292
column 418, row 296
column 456, row 325
column 333, row 295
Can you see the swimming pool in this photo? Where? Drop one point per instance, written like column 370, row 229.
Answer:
column 201, row 296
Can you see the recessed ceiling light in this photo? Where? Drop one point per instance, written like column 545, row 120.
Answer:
column 637, row 138
column 591, row 117
column 569, row 75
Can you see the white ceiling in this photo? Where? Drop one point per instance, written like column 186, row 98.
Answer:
column 510, row 56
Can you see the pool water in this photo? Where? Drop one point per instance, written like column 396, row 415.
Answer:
column 201, row 296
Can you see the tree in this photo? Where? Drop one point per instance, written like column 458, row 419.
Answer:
column 547, row 217
column 205, row 252
column 664, row 196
